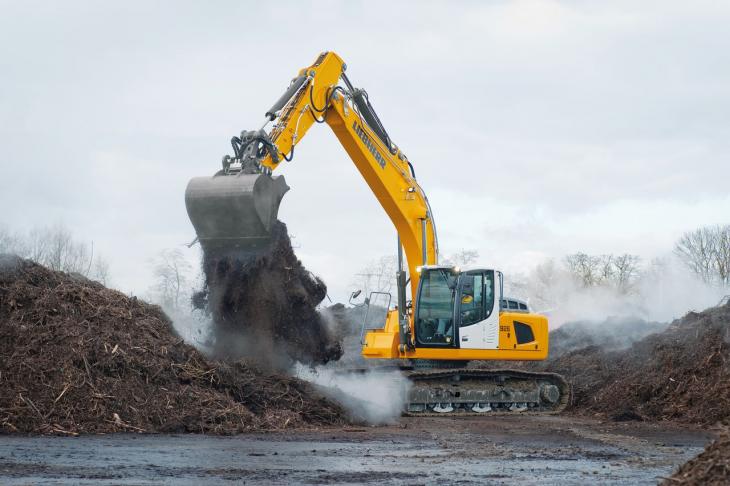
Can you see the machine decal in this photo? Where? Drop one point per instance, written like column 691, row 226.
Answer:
column 366, row 140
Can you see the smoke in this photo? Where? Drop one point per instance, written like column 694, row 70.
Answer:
column 373, row 396
column 664, row 291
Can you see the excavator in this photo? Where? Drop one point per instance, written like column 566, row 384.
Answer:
column 454, row 316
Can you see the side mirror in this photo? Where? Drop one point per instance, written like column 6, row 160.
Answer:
column 354, row 296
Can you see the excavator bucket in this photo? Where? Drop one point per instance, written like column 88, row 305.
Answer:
column 234, row 212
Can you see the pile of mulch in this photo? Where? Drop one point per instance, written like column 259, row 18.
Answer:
column 711, row 467
column 264, row 305
column 76, row 357
column 680, row 374
column 612, row 333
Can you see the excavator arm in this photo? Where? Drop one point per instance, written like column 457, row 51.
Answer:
column 238, row 205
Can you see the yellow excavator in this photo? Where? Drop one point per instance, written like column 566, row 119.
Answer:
column 455, row 315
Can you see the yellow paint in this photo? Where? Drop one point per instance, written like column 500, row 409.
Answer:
column 384, row 343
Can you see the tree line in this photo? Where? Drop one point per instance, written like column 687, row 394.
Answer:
column 704, row 252
column 56, row 248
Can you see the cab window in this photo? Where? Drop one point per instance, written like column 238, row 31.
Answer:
column 476, row 297
column 472, row 301
column 435, row 307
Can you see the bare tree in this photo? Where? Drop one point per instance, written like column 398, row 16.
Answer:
column 695, row 249
column 100, row 271
column 626, row 272
column 584, row 268
column 461, row 258
column 617, row 271
column 11, row 242
column 56, row 248
column 52, row 246
column 63, row 254
column 36, row 245
column 706, row 252
column 172, row 276
column 377, row 276
column 605, row 271
column 722, row 255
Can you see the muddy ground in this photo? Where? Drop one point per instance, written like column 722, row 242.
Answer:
column 488, row 450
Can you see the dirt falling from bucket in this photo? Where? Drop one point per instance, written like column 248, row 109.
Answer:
column 264, row 305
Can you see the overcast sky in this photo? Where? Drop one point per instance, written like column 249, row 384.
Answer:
column 538, row 128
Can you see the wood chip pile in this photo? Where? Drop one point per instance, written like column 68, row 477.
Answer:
column 710, row 468
column 679, row 374
column 76, row 357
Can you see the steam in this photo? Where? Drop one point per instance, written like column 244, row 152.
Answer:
column 376, row 397
column 194, row 327
column 611, row 334
column 664, row 292
column 672, row 291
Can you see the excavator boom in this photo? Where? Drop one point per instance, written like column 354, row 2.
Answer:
column 314, row 96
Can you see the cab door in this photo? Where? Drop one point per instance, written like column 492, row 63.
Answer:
column 478, row 322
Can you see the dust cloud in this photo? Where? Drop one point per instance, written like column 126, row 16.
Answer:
column 194, row 326
column 373, row 396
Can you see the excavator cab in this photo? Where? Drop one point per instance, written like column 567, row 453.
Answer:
column 456, row 309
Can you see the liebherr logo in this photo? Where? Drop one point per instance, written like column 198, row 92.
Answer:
column 369, row 144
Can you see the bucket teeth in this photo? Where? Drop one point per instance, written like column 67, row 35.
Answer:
column 234, row 212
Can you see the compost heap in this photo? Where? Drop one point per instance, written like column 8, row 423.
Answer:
column 263, row 305
column 77, row 357
column 681, row 373
column 711, row 467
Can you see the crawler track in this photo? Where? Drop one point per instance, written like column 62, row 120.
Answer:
column 465, row 392
column 476, row 392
